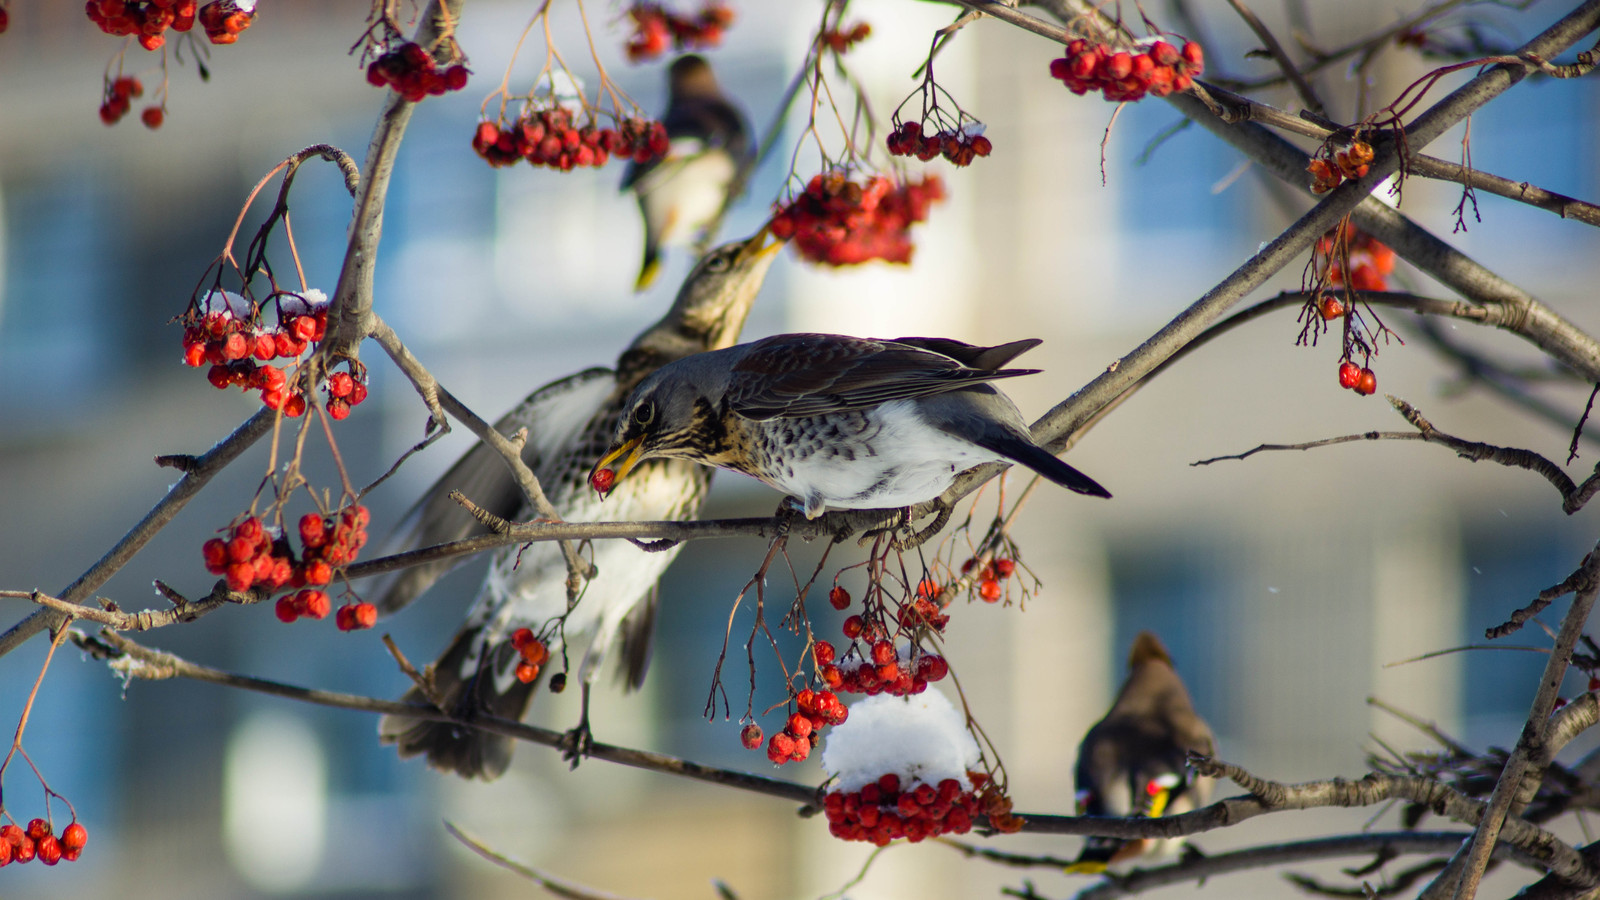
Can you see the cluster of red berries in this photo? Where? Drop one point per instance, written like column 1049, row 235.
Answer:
column 252, row 556
column 1364, row 261
column 1350, row 161
column 548, row 137
column 990, row 576
column 1357, row 378
column 233, row 345
column 880, row 669
column 414, row 74
column 149, row 20
column 839, row 222
column 1158, row 70
column 960, row 146
column 842, row 39
column 923, row 612
column 118, row 100
column 654, row 26
column 802, row 730
column 5, row 19
column 885, row 810
column 38, row 841
column 533, row 653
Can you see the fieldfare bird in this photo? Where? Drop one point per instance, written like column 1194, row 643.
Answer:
column 1132, row 762
column 682, row 193
column 569, row 421
column 838, row 421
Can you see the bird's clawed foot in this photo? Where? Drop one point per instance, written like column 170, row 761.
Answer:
column 577, row 743
column 903, row 521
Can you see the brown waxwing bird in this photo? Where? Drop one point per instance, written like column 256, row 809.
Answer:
column 681, row 193
column 569, row 421
column 1133, row 761
column 837, row 421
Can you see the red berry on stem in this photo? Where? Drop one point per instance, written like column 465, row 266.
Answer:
column 750, row 736
column 1367, row 384
column 1349, row 374
column 839, row 597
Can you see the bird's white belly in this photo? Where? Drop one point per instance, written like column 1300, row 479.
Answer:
column 900, row 460
column 683, row 203
column 535, row 584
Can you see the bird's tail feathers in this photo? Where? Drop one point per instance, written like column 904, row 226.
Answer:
column 1044, row 463
column 649, row 271
column 454, row 746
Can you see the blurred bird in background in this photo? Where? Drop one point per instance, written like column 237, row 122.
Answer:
column 569, row 421
column 1132, row 762
column 838, row 421
column 683, row 193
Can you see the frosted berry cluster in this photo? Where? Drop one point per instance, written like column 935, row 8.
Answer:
column 837, row 221
column 841, row 39
column 1156, row 68
column 655, row 26
column 960, row 146
column 252, row 555
column 990, row 577
column 117, row 100
column 38, row 841
column 801, row 731
column 885, row 810
column 533, row 653
column 1363, row 261
column 1351, row 160
column 148, row 20
column 227, row 333
column 414, row 74
column 550, row 137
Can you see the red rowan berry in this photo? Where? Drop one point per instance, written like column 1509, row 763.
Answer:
column 1349, row 374
column 839, row 597
column 750, row 736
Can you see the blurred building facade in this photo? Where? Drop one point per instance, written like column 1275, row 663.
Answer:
column 1287, row 585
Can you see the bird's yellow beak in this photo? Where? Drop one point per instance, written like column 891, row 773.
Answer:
column 619, row 462
column 757, row 247
column 1085, row 868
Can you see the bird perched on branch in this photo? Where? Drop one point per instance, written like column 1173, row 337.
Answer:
column 1132, row 762
column 568, row 421
column 838, row 421
column 683, row 193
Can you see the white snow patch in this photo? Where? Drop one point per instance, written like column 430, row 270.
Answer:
column 919, row 738
column 226, row 301
column 301, row 304
column 566, row 89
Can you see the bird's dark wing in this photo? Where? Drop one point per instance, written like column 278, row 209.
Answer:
column 971, row 355
column 552, row 416
column 799, row 375
column 713, row 122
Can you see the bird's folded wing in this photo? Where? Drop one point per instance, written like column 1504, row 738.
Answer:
column 698, row 127
column 795, row 376
column 553, row 415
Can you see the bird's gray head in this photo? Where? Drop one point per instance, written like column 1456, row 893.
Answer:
column 711, row 307
column 667, row 415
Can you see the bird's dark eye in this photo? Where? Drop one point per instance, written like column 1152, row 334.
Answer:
column 719, row 263
column 644, row 413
